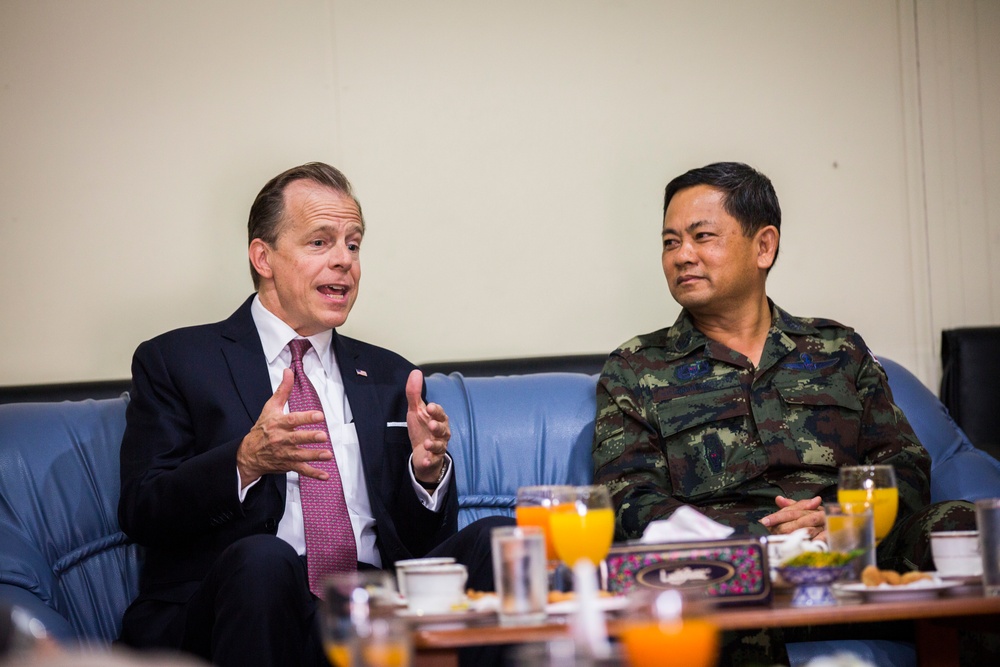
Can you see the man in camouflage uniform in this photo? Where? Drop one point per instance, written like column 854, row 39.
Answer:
column 744, row 411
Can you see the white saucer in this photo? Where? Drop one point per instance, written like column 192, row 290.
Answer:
column 962, row 578
column 918, row 590
column 613, row 603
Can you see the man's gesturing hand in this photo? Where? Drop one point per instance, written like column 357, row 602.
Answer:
column 795, row 514
column 272, row 445
column 427, row 424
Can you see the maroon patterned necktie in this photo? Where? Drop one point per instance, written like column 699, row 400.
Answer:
column 330, row 545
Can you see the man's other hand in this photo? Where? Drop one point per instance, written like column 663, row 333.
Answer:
column 795, row 514
column 429, row 431
column 272, row 445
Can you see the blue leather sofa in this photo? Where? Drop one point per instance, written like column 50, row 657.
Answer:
column 63, row 557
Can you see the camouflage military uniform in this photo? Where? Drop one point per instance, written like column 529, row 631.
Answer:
column 683, row 419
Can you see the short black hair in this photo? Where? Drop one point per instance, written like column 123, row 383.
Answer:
column 748, row 195
column 269, row 206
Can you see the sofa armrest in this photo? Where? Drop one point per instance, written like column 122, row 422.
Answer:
column 55, row 623
column 23, row 566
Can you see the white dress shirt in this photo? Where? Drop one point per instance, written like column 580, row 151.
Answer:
column 321, row 368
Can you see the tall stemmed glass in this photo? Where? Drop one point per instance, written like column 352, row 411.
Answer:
column 871, row 486
column 358, row 624
column 534, row 507
column 583, row 524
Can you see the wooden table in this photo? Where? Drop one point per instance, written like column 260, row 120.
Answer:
column 937, row 623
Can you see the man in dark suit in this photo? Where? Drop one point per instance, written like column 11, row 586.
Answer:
column 214, row 464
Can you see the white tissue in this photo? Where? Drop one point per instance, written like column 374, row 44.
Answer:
column 785, row 547
column 686, row 524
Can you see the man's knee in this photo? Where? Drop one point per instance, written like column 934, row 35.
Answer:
column 948, row 515
column 907, row 547
column 480, row 529
column 261, row 561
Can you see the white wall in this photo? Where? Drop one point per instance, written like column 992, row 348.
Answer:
column 510, row 158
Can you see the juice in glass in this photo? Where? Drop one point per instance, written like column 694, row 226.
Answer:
column 386, row 654
column 339, row 654
column 691, row 642
column 883, row 501
column 537, row 515
column 579, row 535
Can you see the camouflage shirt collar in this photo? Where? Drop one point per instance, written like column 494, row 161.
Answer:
column 683, row 338
column 790, row 324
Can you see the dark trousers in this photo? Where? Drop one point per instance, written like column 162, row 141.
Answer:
column 254, row 607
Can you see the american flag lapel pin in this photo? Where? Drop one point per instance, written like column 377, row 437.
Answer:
column 360, row 372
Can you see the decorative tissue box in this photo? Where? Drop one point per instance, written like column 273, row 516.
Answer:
column 731, row 571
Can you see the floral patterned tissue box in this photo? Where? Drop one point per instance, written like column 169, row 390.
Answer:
column 731, row 571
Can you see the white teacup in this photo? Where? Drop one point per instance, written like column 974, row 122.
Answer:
column 402, row 566
column 956, row 553
column 435, row 589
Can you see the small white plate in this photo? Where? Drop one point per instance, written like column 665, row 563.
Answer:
column 613, row 603
column 918, row 590
column 967, row 584
column 961, row 578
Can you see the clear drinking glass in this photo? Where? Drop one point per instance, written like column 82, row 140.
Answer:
column 874, row 487
column 988, row 522
column 519, row 573
column 851, row 528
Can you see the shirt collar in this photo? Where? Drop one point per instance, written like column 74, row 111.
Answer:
column 789, row 323
column 684, row 337
column 275, row 335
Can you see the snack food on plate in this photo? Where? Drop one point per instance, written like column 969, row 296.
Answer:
column 872, row 576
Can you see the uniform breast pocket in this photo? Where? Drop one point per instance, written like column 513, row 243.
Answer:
column 821, row 421
column 706, row 443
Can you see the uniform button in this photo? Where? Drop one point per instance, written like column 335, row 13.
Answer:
column 270, row 524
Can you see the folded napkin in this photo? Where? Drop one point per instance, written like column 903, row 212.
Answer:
column 686, row 524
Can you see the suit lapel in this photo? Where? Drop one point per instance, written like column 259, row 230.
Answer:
column 365, row 407
column 248, row 370
column 245, row 356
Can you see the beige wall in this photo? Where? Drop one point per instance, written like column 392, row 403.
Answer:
column 510, row 158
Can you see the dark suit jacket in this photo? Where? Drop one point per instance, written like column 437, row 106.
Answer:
column 196, row 392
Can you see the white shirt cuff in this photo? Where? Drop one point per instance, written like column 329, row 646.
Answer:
column 240, row 491
column 432, row 499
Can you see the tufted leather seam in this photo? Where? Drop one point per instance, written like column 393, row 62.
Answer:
column 93, row 548
column 486, row 501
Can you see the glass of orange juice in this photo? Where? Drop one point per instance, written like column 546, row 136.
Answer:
column 534, row 504
column 358, row 624
column 871, row 486
column 582, row 524
column 667, row 631
column 386, row 643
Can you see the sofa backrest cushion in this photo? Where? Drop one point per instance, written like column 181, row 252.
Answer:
column 959, row 470
column 512, row 431
column 59, row 485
